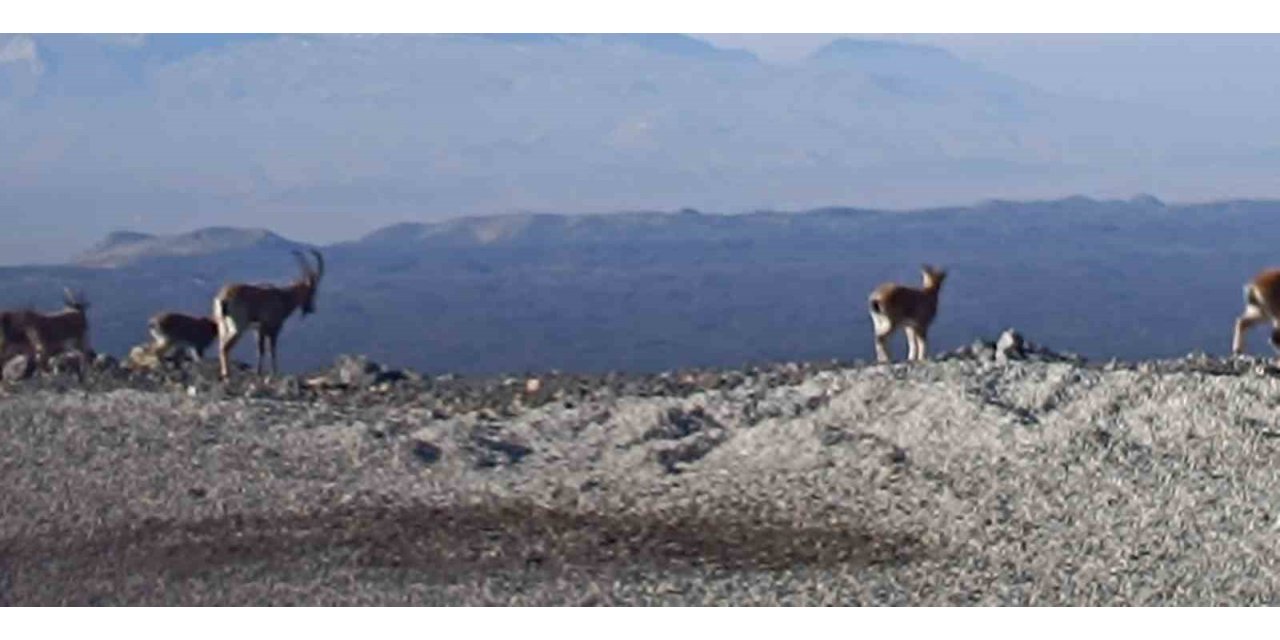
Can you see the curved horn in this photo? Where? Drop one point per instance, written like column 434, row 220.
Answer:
column 307, row 272
column 319, row 264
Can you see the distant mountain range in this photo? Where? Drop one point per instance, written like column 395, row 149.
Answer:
column 647, row 291
column 300, row 134
column 124, row 248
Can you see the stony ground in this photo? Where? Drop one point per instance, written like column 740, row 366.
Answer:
column 977, row 479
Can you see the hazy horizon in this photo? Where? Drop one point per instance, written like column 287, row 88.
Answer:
column 325, row 138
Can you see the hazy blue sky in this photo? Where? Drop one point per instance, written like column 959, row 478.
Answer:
column 325, row 138
column 1225, row 70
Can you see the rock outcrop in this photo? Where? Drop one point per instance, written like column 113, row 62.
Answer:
column 1010, row 346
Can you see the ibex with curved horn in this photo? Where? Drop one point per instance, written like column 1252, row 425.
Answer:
column 238, row 307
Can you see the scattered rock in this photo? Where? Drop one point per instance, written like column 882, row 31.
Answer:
column 319, row 382
column 492, row 449
column 680, row 423
column 359, row 371
column 983, row 349
column 684, row 436
column 143, row 356
column 105, row 362
column 355, row 370
column 898, row 456
column 674, row 456
column 1009, row 346
column 426, row 452
column 19, row 368
column 287, row 386
column 71, row 362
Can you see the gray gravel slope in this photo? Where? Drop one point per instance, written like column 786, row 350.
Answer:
column 957, row 482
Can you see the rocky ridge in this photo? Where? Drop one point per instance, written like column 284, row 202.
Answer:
column 1001, row 473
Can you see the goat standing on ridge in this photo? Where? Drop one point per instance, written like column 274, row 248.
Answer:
column 1261, row 302
column 13, row 341
column 171, row 330
column 238, row 307
column 48, row 334
column 894, row 305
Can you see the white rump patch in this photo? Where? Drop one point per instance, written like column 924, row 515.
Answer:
column 881, row 322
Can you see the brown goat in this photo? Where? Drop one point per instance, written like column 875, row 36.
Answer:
column 238, row 307
column 13, row 341
column 894, row 305
column 49, row 334
column 170, row 330
column 1261, row 303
